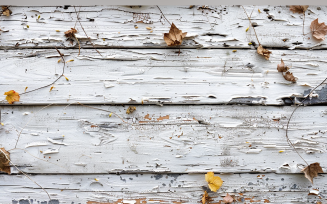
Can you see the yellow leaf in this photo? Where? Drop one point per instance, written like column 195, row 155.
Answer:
column 259, row 11
column 151, row 31
column 70, row 60
column 247, row 29
column 250, row 43
column 66, row 78
column 26, row 88
column 12, row 96
column 149, row 28
column 281, row 151
column 59, row 60
column 234, row 50
column 136, row 27
column 103, row 39
column 214, row 182
column 57, row 30
column 2, row 124
column 110, row 115
column 96, row 179
column 38, row 17
column 51, row 88
column 27, row 26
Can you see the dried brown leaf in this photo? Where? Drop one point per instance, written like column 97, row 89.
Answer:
column 264, row 52
column 6, row 11
column 206, row 198
column 312, row 171
column 130, row 109
column 281, row 67
column 175, row 36
column 319, row 30
column 289, row 76
column 298, row 8
column 71, row 33
column 228, row 199
column 4, row 161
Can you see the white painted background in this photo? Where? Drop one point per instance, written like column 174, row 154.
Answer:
column 208, row 109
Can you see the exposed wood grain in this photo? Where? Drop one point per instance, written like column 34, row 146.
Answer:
column 158, row 76
column 177, row 139
column 114, row 27
column 160, row 188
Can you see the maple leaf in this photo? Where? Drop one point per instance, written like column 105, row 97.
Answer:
column 264, row 52
column 174, row 37
column 6, row 11
column 12, row 96
column 206, row 198
column 228, row 199
column 298, row 8
column 281, row 67
column 4, row 161
column 289, row 76
column 312, row 171
column 319, row 30
column 130, row 109
column 71, row 33
column 214, row 182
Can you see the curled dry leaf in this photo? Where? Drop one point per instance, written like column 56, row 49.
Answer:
column 4, row 161
column 214, row 182
column 6, row 11
column 312, row 171
column 281, row 67
column 175, row 36
column 130, row 109
column 319, row 30
column 206, row 198
column 12, row 96
column 228, row 199
column 264, row 52
column 298, row 8
column 289, row 76
column 71, row 33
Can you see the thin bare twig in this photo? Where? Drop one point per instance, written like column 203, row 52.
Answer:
column 86, row 33
column 25, row 174
column 163, row 15
column 287, row 138
column 251, row 25
column 63, row 70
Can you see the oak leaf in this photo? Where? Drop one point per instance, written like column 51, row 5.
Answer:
column 4, row 161
column 298, row 8
column 319, row 30
column 12, row 96
column 206, row 198
column 174, row 37
column 264, row 52
column 281, row 67
column 289, row 76
column 214, row 182
column 312, row 171
column 6, row 11
column 228, row 199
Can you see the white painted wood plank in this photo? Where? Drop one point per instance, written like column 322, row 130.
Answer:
column 157, row 76
column 211, row 27
column 159, row 188
column 178, row 139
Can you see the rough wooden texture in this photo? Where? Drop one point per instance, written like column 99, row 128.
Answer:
column 178, row 139
column 158, row 76
column 160, row 188
column 114, row 26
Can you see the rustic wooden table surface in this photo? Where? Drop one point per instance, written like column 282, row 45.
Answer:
column 217, row 106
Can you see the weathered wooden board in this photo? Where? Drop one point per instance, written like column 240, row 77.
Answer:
column 158, row 76
column 114, row 26
column 159, row 188
column 177, row 139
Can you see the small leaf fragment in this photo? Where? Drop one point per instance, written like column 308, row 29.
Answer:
column 70, row 60
column 312, row 171
column 70, row 33
column 2, row 124
column 259, row 11
column 51, row 88
column 110, row 115
column 66, row 78
column 38, row 17
column 289, row 76
column 281, row 67
column 214, row 182
column 319, row 30
column 4, row 161
column 96, row 179
column 149, row 28
column 57, row 30
column 130, row 109
column 59, row 60
column 25, row 89
column 250, row 43
column 12, row 96
column 234, row 50
column 27, row 26
column 6, row 11
column 247, row 29
column 206, row 198
column 174, row 37
column 228, row 199
column 264, row 52
column 281, row 151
